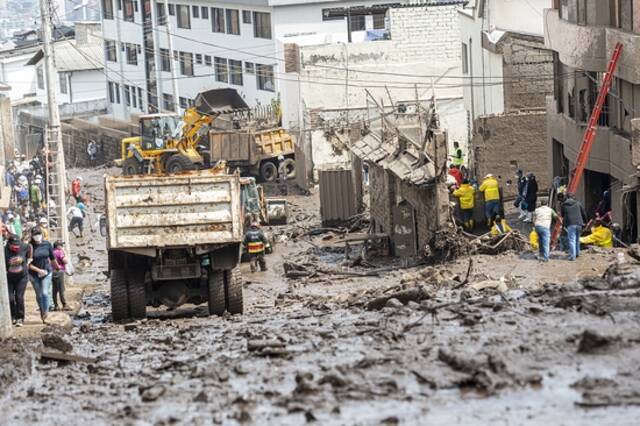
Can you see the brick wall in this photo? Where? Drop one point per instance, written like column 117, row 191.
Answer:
column 525, row 56
column 505, row 143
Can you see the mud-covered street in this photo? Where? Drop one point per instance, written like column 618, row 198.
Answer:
column 379, row 344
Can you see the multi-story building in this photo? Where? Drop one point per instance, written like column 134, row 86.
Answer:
column 583, row 34
column 235, row 44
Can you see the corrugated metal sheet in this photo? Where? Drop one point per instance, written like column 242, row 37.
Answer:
column 337, row 195
column 195, row 208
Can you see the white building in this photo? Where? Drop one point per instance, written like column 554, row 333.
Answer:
column 15, row 72
column 486, row 26
column 237, row 44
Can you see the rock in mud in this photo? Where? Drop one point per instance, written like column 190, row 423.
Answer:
column 393, row 303
column 57, row 341
column 592, row 342
column 152, row 393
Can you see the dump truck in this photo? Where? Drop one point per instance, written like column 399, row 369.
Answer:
column 174, row 239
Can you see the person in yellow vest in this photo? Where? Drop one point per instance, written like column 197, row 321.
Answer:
column 491, row 191
column 457, row 159
column 255, row 243
column 500, row 226
column 600, row 236
column 466, row 195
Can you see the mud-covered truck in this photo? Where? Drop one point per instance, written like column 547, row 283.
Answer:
column 174, row 239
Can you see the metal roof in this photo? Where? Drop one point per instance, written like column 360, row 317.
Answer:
column 69, row 57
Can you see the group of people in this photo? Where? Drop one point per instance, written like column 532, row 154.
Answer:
column 29, row 254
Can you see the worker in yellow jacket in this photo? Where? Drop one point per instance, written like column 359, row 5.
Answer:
column 491, row 191
column 500, row 226
column 600, row 236
column 466, row 195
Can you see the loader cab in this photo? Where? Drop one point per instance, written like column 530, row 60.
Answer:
column 157, row 129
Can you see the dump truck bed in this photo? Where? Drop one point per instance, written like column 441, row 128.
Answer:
column 250, row 146
column 186, row 209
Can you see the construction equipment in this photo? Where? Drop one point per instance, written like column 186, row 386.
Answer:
column 257, row 208
column 589, row 134
column 173, row 240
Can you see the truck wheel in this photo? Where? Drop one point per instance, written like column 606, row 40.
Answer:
column 179, row 163
column 216, row 293
column 235, row 300
column 137, row 296
column 131, row 166
column 288, row 166
column 268, row 172
column 119, row 295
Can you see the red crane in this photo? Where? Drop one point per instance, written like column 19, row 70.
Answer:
column 589, row 134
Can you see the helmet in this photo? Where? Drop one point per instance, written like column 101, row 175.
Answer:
column 43, row 220
column 280, row 157
column 489, row 175
column 79, row 178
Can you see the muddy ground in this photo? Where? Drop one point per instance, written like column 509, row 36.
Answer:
column 559, row 346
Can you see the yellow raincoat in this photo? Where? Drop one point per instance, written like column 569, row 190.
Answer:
column 505, row 228
column 465, row 194
column 600, row 236
column 491, row 189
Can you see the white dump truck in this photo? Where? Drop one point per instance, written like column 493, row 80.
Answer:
column 174, row 239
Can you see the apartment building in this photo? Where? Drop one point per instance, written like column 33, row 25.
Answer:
column 583, row 34
column 235, row 44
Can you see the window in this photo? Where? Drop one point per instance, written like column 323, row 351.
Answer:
column 246, row 16
column 358, row 23
column 131, row 53
column 162, row 18
column 233, row 22
column 128, row 12
column 167, row 102
column 235, row 72
column 186, row 63
column 378, row 21
column 564, row 10
column 165, row 60
column 207, row 60
column 265, row 78
column 172, row 9
column 198, row 59
column 465, row 59
column 249, row 68
column 221, row 71
column 582, row 12
column 204, row 12
column 196, row 11
column 127, row 95
column 107, row 9
column 134, row 97
column 119, row 2
column 186, row 103
column 114, row 93
column 140, row 98
column 184, row 19
column 63, row 83
column 110, row 50
column 112, row 98
column 261, row 25
column 217, row 20
column 626, row 15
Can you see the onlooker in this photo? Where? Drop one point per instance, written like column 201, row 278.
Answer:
column 530, row 196
column 522, row 184
column 491, row 192
column 17, row 256
column 573, row 218
column 43, row 223
column 40, row 271
column 544, row 215
column 76, row 218
column 59, row 270
column 92, row 151
column 600, row 236
column 76, row 188
column 466, row 194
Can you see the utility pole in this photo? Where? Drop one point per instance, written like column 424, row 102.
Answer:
column 172, row 59
column 54, row 152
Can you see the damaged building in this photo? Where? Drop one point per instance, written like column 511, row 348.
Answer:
column 583, row 36
column 408, row 196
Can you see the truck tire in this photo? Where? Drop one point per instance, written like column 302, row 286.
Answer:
column 179, row 163
column 233, row 284
column 119, row 295
column 137, row 296
column 288, row 166
column 217, row 303
column 268, row 172
column 131, row 166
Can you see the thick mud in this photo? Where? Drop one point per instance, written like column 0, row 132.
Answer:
column 556, row 347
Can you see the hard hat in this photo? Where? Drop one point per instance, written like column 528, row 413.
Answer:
column 281, row 157
column 79, row 178
column 489, row 175
column 43, row 220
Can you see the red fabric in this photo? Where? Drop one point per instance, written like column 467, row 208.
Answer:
column 75, row 187
column 457, row 175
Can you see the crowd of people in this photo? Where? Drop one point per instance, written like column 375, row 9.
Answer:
column 536, row 212
column 30, row 256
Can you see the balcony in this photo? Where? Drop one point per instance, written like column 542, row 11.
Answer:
column 590, row 47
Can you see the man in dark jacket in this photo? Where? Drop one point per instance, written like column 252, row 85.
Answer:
column 530, row 197
column 255, row 243
column 521, row 181
column 573, row 219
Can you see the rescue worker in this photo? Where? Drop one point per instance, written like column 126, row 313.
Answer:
column 491, row 192
column 457, row 159
column 466, row 195
column 36, row 195
column 76, row 188
column 500, row 226
column 255, row 242
column 600, row 236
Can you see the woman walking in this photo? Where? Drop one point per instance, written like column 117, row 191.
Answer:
column 17, row 256
column 531, row 196
column 59, row 269
column 40, row 271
